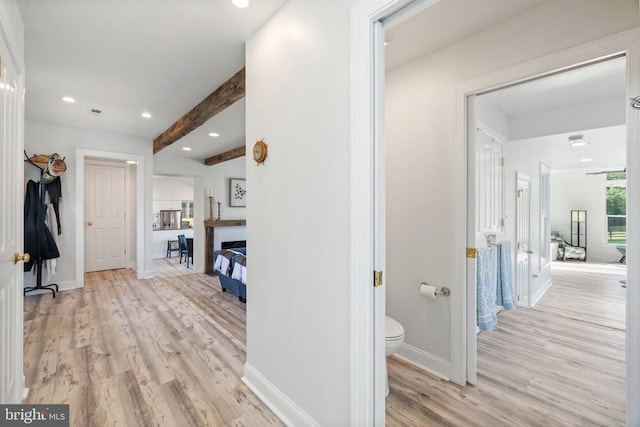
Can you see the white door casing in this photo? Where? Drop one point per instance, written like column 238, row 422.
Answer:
column 379, row 245
column 627, row 42
column 104, row 216
column 11, row 226
column 523, row 237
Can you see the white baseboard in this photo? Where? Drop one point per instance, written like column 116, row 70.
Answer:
column 284, row 408
column 536, row 297
column 424, row 360
column 67, row 285
column 147, row 274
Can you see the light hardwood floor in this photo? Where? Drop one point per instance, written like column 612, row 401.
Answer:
column 169, row 351
column 125, row 352
column 559, row 364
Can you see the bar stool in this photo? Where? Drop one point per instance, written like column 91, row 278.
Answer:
column 172, row 246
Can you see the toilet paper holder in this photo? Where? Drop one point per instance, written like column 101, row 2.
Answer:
column 444, row 291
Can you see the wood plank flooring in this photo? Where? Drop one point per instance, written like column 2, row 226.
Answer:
column 169, row 351
column 559, row 364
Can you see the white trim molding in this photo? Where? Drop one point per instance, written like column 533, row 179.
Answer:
column 533, row 299
column 424, row 360
column 284, row 408
column 633, row 244
column 81, row 155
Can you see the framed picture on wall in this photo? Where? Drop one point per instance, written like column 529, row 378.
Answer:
column 237, row 192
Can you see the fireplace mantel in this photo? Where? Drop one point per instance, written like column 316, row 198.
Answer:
column 209, row 226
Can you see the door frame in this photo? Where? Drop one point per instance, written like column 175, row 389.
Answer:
column 81, row 156
column 366, row 398
column 526, row 178
column 366, row 407
column 627, row 42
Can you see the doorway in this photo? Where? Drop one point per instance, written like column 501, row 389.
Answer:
column 105, row 213
column 456, row 354
column 134, row 199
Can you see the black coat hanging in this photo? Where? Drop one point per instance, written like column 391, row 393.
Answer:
column 38, row 241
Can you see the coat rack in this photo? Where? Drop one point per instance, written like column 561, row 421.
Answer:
column 38, row 238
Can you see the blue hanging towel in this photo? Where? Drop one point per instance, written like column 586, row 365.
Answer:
column 504, row 291
column 486, row 292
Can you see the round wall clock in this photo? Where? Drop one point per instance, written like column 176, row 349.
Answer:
column 259, row 151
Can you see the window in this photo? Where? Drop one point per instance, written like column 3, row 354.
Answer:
column 616, row 213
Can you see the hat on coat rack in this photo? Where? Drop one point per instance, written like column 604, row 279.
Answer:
column 51, row 165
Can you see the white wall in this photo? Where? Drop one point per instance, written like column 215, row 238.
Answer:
column 488, row 115
column 420, row 149
column 575, row 189
column 576, row 117
column 161, row 237
column 298, row 211
column 172, row 188
column 47, row 139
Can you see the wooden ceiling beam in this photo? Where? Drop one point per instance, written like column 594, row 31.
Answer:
column 227, row 155
column 229, row 92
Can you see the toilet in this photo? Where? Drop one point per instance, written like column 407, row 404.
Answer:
column 394, row 338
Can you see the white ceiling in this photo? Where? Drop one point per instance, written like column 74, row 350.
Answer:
column 125, row 57
column 433, row 29
column 606, row 148
column 604, row 80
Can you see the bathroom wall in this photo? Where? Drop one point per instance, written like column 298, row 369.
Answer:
column 420, row 154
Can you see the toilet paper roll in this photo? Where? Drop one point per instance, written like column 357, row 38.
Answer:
column 428, row 291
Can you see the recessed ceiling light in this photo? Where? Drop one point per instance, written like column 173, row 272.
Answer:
column 213, row 134
column 132, row 162
column 68, row 99
column 146, row 115
column 586, row 160
column 186, row 148
column 240, row 3
column 578, row 141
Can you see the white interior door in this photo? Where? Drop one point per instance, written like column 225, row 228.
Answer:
column 104, row 216
column 523, row 236
column 11, row 228
column 485, row 213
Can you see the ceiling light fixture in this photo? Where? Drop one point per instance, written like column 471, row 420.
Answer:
column 586, row 160
column 68, row 99
column 213, row 134
column 186, row 148
column 146, row 115
column 242, row 4
column 578, row 141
